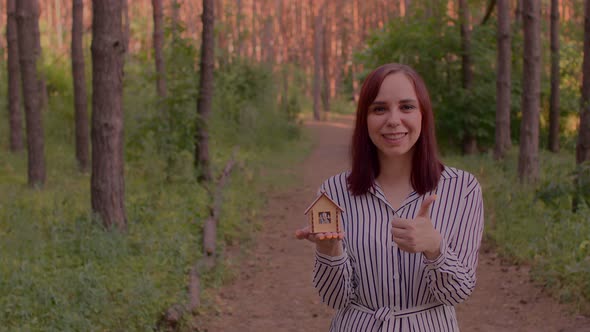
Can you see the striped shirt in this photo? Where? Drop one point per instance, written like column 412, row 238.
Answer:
column 374, row 285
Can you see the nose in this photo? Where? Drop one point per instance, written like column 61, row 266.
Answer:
column 393, row 119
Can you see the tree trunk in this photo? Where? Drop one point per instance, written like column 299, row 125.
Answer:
column 268, row 53
column 79, row 76
column 205, row 98
column 469, row 140
column 42, row 85
column 518, row 12
column 28, row 23
column 503, row 81
column 238, row 31
column 158, row 39
column 317, row 57
column 222, row 29
column 326, row 56
column 554, row 98
column 489, row 11
column 583, row 144
column 58, row 23
column 176, row 11
column 126, row 26
column 253, row 33
column 108, row 177
column 14, row 110
column 528, row 161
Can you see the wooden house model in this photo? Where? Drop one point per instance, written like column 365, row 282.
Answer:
column 324, row 215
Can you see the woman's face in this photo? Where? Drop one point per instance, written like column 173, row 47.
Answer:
column 394, row 119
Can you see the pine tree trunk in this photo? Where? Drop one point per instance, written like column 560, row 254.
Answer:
column 108, row 180
column 28, row 22
column 268, row 41
column 317, row 68
column 205, row 98
column 42, row 85
column 126, row 26
column 326, row 56
column 503, row 81
column 469, row 140
column 518, row 13
column 176, row 11
column 554, row 98
column 583, row 144
column 238, row 31
column 528, row 161
column 158, row 39
column 14, row 109
column 79, row 76
column 59, row 26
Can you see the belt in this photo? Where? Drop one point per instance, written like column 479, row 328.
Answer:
column 385, row 313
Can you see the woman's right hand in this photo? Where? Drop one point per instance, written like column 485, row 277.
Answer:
column 326, row 243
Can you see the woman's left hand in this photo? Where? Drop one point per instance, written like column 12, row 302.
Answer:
column 418, row 235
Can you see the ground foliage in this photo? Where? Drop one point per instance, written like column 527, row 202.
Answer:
column 60, row 270
column 535, row 225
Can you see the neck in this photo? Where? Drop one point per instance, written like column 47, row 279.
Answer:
column 395, row 171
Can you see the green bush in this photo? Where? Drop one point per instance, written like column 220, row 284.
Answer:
column 535, row 225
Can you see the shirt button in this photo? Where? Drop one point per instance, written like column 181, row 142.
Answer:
column 395, row 276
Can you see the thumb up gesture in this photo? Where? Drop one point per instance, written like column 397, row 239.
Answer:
column 418, row 235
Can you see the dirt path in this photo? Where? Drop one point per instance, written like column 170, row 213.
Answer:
column 273, row 290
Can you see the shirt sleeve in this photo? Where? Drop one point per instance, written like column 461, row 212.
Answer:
column 451, row 276
column 333, row 279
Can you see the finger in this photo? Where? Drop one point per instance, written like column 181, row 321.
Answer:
column 400, row 223
column 302, row 234
column 330, row 236
column 423, row 212
column 399, row 233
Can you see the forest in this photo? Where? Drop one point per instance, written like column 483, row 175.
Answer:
column 140, row 139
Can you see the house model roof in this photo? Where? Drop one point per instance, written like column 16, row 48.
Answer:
column 323, row 194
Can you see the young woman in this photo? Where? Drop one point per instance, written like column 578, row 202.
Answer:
column 412, row 226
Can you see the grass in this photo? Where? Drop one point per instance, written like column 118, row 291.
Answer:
column 61, row 271
column 534, row 224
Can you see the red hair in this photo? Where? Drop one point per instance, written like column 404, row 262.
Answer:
column 426, row 165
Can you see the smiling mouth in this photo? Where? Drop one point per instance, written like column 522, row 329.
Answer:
column 394, row 137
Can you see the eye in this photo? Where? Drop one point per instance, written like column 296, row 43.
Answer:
column 407, row 107
column 379, row 109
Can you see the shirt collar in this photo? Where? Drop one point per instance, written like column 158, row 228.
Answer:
column 375, row 189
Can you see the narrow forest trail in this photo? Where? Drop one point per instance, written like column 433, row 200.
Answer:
column 273, row 291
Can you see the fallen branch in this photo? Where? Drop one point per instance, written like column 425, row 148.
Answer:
column 171, row 318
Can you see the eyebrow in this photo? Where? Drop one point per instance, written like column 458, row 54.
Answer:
column 403, row 101
column 408, row 101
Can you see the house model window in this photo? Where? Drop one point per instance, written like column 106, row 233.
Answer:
column 324, row 215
